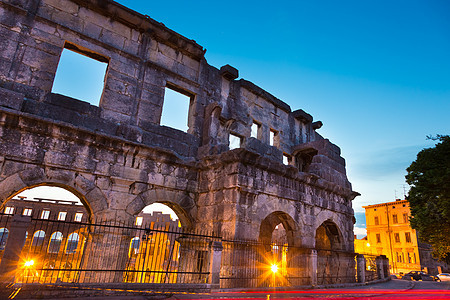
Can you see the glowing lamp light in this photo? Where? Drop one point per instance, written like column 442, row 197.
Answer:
column 29, row 263
column 368, row 244
column 274, row 268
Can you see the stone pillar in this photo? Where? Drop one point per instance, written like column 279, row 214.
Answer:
column 361, row 268
column 215, row 261
column 14, row 245
column 313, row 267
column 386, row 270
column 379, row 261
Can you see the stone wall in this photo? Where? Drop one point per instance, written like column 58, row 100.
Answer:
column 118, row 158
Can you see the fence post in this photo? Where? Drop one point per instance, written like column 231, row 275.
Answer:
column 361, row 268
column 14, row 245
column 313, row 267
column 380, row 271
column 215, row 263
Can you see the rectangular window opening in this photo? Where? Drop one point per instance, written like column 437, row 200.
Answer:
column 408, row 237
column 394, row 219
column 397, row 237
column 378, row 238
column 62, row 216
column 377, row 222
column 405, row 218
column 45, row 214
column 235, row 141
column 139, row 221
column 9, row 210
column 175, row 110
column 78, row 217
column 272, row 137
column 27, row 212
column 286, row 159
column 255, row 130
column 80, row 74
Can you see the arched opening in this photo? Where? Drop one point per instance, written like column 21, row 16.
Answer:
column 328, row 241
column 278, row 227
column 60, row 223
column 154, row 251
column 38, row 238
column 55, row 242
column 278, row 249
column 72, row 243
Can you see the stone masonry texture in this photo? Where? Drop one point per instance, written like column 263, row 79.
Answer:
column 118, row 158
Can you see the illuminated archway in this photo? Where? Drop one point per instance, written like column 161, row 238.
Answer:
column 328, row 242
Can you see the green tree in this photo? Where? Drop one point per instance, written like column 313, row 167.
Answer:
column 429, row 196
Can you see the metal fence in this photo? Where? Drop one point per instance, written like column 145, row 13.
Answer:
column 162, row 253
column 254, row 264
column 61, row 251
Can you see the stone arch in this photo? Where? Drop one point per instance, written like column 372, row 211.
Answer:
column 181, row 202
column 90, row 195
column 327, row 232
column 275, row 218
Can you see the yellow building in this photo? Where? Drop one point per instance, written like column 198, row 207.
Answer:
column 389, row 233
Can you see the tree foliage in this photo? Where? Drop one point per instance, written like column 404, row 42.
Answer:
column 429, row 196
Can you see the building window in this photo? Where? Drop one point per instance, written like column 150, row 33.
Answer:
column 80, row 74
column 255, row 130
column 72, row 243
column 139, row 221
column 55, row 242
column 378, row 238
column 9, row 210
column 62, row 216
column 377, row 222
column 3, row 237
column 408, row 237
column 134, row 246
column 405, row 218
column 286, row 159
column 45, row 214
column 414, row 257
column 175, row 110
column 78, row 217
column 27, row 212
column 272, row 137
column 394, row 219
column 235, row 141
column 409, row 258
column 38, row 238
column 397, row 237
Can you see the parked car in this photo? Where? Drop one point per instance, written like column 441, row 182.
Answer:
column 444, row 276
column 419, row 275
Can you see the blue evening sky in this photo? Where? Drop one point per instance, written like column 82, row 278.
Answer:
column 376, row 73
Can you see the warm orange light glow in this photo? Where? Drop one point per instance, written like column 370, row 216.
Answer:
column 274, row 268
column 368, row 244
column 29, row 263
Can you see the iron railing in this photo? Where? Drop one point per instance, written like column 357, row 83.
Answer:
column 252, row 264
column 75, row 252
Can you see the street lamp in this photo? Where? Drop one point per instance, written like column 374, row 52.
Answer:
column 29, row 263
column 274, row 268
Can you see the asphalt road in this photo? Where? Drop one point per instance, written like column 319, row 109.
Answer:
column 395, row 289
